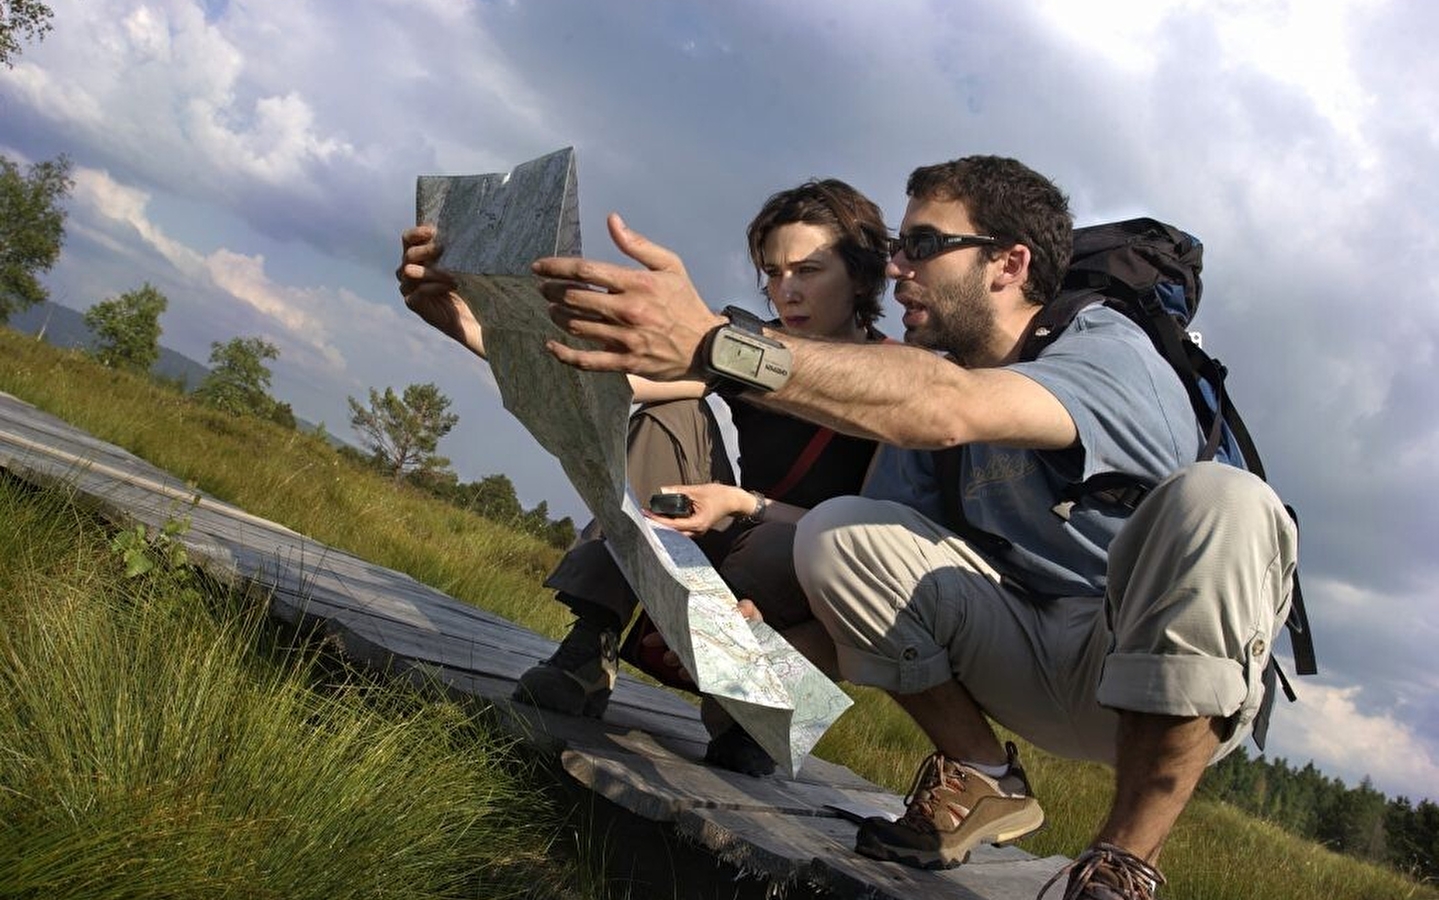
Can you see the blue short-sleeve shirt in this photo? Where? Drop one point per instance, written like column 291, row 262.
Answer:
column 1132, row 415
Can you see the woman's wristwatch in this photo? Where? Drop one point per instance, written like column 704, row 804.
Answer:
column 755, row 516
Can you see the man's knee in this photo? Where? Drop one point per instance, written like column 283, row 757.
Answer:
column 824, row 543
column 1223, row 493
column 1206, row 525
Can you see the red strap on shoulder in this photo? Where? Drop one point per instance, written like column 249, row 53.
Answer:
column 802, row 464
column 814, row 448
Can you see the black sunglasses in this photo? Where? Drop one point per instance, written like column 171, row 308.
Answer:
column 920, row 245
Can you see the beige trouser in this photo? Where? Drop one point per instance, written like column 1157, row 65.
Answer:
column 1199, row 586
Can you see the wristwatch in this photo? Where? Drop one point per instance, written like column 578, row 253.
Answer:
column 738, row 356
column 756, row 515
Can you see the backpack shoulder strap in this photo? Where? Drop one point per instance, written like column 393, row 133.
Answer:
column 1301, row 639
column 1053, row 317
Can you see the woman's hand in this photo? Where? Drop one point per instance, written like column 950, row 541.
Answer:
column 429, row 290
column 713, row 503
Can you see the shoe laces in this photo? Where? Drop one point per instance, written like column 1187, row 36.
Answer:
column 1115, row 872
column 920, row 799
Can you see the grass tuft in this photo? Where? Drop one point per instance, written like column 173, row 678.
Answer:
column 147, row 749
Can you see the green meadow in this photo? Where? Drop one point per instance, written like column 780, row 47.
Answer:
column 159, row 739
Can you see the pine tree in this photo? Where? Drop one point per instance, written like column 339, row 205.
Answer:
column 402, row 431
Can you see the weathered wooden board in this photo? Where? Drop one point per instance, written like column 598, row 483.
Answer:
column 636, row 775
column 817, row 852
column 642, row 757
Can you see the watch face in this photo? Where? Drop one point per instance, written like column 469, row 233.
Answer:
column 737, row 357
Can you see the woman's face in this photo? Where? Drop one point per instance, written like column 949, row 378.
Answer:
column 807, row 282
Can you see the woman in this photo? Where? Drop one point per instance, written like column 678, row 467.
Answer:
column 820, row 251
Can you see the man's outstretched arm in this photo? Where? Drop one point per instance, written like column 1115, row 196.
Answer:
column 651, row 321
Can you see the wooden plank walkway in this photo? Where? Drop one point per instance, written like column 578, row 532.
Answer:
column 780, row 834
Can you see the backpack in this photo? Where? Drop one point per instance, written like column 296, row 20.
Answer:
column 1148, row 271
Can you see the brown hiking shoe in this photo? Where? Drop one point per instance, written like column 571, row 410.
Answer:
column 579, row 677
column 952, row 808
column 1106, row 872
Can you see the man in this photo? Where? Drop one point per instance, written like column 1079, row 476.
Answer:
column 1135, row 638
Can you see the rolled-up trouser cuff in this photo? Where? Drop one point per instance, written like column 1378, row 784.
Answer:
column 1172, row 685
column 900, row 676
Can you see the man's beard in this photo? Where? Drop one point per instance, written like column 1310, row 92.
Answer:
column 961, row 318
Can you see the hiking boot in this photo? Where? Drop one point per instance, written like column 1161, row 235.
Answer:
column 578, row 678
column 1106, row 872
column 730, row 746
column 950, row 809
column 735, row 749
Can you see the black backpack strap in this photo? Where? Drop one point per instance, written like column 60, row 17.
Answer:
column 1283, row 680
column 1190, row 362
column 1111, row 487
column 1214, row 373
column 1210, row 371
column 1300, row 637
column 1051, row 320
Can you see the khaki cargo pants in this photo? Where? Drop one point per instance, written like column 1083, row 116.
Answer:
column 1199, row 586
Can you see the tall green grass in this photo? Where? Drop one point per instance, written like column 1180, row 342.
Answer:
column 295, row 479
column 1215, row 853
column 154, row 742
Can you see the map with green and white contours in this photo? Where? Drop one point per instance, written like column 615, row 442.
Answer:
column 581, row 418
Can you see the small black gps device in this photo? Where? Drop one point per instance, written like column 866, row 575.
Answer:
column 671, row 505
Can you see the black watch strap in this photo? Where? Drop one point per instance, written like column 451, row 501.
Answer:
column 743, row 319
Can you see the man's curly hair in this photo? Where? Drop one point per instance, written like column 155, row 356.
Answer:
column 1012, row 202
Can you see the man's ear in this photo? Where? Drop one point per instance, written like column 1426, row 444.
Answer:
column 1013, row 267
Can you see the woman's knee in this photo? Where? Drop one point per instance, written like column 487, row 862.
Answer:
column 760, row 567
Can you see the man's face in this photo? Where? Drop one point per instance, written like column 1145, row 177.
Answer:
column 946, row 298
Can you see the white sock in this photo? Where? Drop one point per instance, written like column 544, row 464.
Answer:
column 994, row 771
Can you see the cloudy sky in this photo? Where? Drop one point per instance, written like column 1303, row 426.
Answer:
column 256, row 162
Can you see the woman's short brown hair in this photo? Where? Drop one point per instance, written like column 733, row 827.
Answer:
column 861, row 239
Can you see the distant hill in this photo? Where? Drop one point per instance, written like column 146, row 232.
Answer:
column 64, row 327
